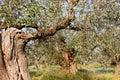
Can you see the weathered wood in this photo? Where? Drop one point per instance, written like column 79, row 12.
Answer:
column 3, row 73
column 14, row 57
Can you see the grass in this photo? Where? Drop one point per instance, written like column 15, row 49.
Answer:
column 84, row 73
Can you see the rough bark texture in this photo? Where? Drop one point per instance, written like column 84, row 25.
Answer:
column 68, row 64
column 3, row 73
column 14, row 57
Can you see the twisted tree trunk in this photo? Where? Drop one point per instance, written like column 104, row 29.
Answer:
column 3, row 72
column 69, row 65
column 13, row 59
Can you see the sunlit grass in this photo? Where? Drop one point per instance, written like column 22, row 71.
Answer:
column 84, row 73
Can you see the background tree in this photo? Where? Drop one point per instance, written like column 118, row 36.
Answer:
column 93, row 18
column 13, row 44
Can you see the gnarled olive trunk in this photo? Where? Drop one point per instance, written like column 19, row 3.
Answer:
column 3, row 72
column 13, row 60
column 69, row 65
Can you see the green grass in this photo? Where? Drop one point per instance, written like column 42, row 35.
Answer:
column 84, row 73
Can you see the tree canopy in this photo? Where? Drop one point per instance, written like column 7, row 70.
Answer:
column 84, row 30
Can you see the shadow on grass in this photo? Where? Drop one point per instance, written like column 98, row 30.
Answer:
column 83, row 71
column 82, row 74
column 101, row 71
column 34, row 73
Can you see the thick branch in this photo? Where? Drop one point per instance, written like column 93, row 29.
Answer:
column 65, row 23
column 52, row 30
column 29, row 36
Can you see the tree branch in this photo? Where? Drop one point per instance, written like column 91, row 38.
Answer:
column 65, row 23
column 52, row 30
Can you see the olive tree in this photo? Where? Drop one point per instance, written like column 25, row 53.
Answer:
column 15, row 16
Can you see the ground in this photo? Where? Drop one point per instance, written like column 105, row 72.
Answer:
column 89, row 72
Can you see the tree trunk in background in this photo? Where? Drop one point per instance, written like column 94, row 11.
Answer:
column 103, row 64
column 12, row 58
column 117, row 60
column 37, row 64
column 69, row 65
column 117, row 68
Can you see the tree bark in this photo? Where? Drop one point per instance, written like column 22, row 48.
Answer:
column 69, row 65
column 15, row 63
column 3, row 72
column 117, row 68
